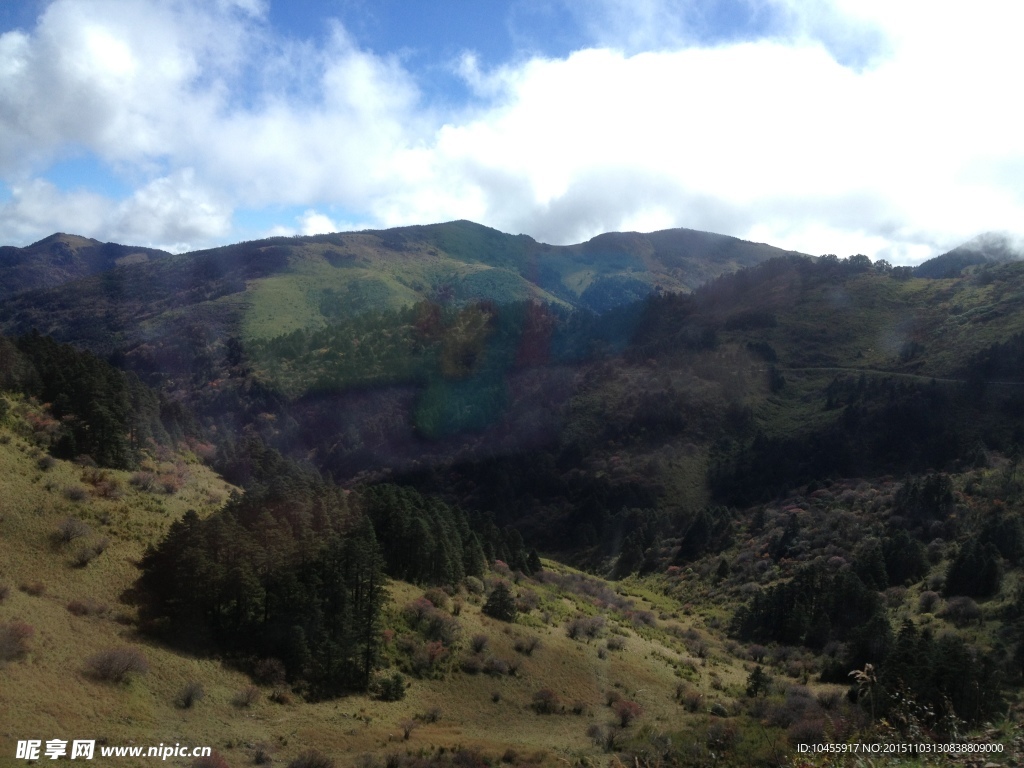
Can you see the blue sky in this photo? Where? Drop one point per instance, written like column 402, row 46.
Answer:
column 842, row 126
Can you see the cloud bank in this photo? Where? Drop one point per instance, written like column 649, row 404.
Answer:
column 874, row 127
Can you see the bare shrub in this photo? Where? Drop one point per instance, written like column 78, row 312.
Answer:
column 190, row 694
column 692, row 700
column 214, row 760
column 262, row 755
column 722, row 736
column 495, row 666
column 170, row 484
column 75, row 493
column 527, row 601
column 928, row 601
column 269, row 672
column 830, row 699
column 84, row 555
column 144, row 481
column 432, row 715
column 961, row 611
column 527, row 645
column 616, row 643
column 4, row 592
column 14, row 639
column 246, row 697
column 33, row 588
column 438, row 597
column 806, row 731
column 46, row 463
column 281, row 696
column 69, row 529
column 627, row 711
column 546, row 702
column 312, row 758
column 588, row 626
column 478, row 643
column 87, row 607
column 408, row 726
column 472, row 665
column 115, row 665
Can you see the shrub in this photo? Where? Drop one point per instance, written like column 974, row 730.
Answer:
column 84, row 555
column 472, row 665
column 190, row 694
column 722, row 736
column 392, row 688
column 527, row 645
column 246, row 697
column 546, row 702
column 627, row 711
column 214, row 760
column 14, row 639
column 616, row 643
column 4, row 592
column 408, row 726
column 928, row 601
column 495, row 666
column 474, row 586
column 281, row 696
column 71, row 528
column 478, row 643
column 432, row 715
column 75, row 493
column 438, row 597
column 46, row 463
column 589, row 626
column 144, row 481
column 961, row 611
column 87, row 607
column 34, row 588
column 115, row 665
column 312, row 758
column 692, row 700
column 262, row 755
column 269, row 672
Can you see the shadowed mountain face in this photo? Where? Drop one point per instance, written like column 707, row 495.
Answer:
column 60, row 258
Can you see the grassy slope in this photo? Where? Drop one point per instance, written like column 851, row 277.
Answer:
column 48, row 695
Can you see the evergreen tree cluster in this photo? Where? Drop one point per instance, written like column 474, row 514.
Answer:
column 944, row 676
column 426, row 541
column 104, row 413
column 291, row 570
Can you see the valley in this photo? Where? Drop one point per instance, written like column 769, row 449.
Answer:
column 444, row 496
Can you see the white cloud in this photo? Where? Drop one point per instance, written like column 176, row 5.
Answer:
column 879, row 127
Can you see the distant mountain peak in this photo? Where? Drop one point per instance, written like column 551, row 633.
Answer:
column 986, row 248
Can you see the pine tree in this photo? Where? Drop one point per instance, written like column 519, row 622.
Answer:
column 501, row 604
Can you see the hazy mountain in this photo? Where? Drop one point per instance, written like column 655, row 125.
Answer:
column 987, row 248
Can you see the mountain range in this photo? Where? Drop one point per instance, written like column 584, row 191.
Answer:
column 776, row 469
